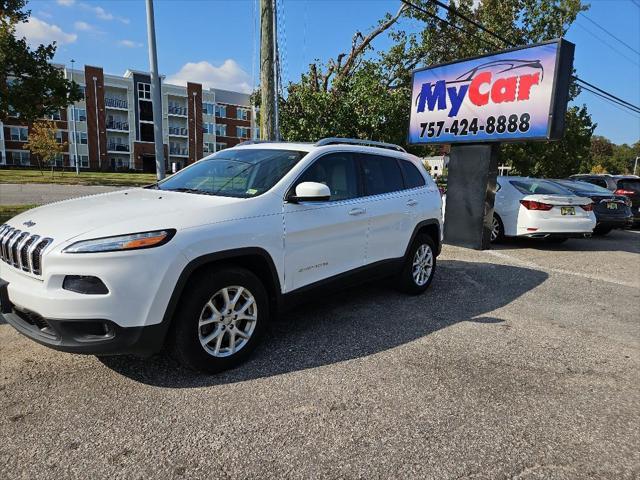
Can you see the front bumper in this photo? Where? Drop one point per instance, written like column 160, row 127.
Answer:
column 90, row 336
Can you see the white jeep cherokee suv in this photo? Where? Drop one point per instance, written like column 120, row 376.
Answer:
column 200, row 261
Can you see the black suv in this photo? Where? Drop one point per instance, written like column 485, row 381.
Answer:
column 627, row 185
column 611, row 210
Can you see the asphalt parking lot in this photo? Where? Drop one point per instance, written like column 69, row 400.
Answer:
column 520, row 362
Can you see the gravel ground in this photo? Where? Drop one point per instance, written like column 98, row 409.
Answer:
column 521, row 362
column 35, row 193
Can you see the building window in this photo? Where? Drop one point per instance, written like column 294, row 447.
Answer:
column 208, row 108
column 146, row 111
column 84, row 161
column 243, row 132
column 54, row 116
column 208, row 147
column 79, row 114
column 146, row 132
column 19, row 134
column 19, row 157
column 221, row 111
column 220, row 146
column 81, row 137
column 221, row 130
column 144, row 91
column 242, row 114
column 59, row 136
column 208, row 127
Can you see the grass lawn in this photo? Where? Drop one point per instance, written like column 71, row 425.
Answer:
column 9, row 211
column 70, row 178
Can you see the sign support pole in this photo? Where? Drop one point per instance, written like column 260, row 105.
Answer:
column 471, row 191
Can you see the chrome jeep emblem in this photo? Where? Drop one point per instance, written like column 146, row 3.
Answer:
column 29, row 223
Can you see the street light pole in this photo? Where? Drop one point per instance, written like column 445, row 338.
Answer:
column 73, row 123
column 155, row 92
column 635, row 165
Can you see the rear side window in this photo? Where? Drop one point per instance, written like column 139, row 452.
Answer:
column 381, row 174
column 338, row 171
column 601, row 182
column 539, row 187
column 632, row 184
column 412, row 176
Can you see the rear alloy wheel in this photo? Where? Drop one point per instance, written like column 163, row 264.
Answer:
column 497, row 229
column 419, row 266
column 219, row 321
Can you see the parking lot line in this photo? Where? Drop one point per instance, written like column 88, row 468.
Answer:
column 562, row 271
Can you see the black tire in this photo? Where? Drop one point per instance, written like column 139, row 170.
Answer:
column 183, row 340
column 406, row 282
column 498, row 236
column 601, row 231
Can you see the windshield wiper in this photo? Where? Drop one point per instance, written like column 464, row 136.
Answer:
column 190, row 190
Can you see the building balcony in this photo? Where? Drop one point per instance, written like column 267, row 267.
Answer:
column 118, row 148
column 179, row 152
column 178, row 131
column 116, row 103
column 177, row 110
column 118, row 125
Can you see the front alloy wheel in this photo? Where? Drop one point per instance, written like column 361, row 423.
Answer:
column 220, row 319
column 227, row 321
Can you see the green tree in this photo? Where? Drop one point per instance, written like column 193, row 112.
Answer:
column 29, row 84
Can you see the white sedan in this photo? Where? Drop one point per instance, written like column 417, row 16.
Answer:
column 530, row 207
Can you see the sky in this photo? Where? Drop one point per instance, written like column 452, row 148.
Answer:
column 215, row 42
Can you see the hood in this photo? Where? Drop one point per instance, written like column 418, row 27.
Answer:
column 127, row 211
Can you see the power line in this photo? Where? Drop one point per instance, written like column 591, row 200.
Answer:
column 455, row 12
column 607, row 44
column 611, row 34
column 612, row 102
column 446, row 22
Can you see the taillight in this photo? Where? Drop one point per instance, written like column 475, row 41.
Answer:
column 622, row 191
column 533, row 205
column 588, row 207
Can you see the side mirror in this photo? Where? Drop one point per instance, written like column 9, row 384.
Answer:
column 310, row 192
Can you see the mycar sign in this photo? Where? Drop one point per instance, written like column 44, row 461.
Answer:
column 517, row 94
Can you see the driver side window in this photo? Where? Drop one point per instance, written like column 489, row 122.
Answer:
column 338, row 171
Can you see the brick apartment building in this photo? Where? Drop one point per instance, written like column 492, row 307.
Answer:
column 111, row 128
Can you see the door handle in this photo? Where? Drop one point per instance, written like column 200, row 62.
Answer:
column 357, row 211
column 412, row 203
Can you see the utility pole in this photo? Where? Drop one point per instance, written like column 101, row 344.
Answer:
column 156, row 93
column 73, row 123
column 267, row 70
column 276, row 74
column 635, row 165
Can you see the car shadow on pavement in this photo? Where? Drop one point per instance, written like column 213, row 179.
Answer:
column 355, row 323
column 615, row 241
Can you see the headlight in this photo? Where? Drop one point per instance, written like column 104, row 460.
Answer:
column 133, row 241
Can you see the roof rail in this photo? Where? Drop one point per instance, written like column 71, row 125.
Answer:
column 252, row 142
column 356, row 141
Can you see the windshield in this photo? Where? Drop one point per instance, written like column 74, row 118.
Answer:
column 241, row 173
column 579, row 186
column 539, row 187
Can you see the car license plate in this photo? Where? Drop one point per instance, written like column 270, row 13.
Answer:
column 568, row 210
column 612, row 206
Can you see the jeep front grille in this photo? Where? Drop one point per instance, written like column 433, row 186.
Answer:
column 22, row 250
